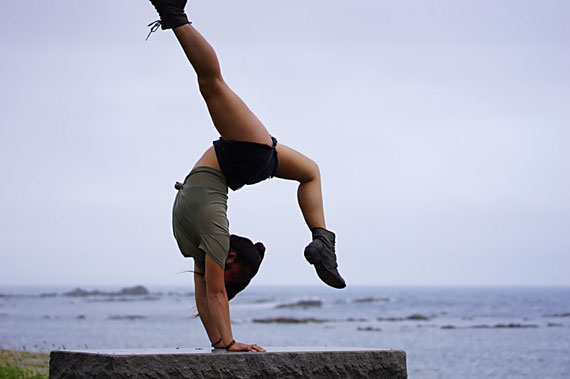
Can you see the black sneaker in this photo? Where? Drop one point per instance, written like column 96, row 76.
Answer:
column 320, row 253
column 171, row 13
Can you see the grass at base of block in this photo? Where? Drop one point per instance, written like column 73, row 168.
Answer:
column 23, row 364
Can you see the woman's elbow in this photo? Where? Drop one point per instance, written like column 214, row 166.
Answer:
column 217, row 295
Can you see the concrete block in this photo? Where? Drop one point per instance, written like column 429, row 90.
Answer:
column 276, row 363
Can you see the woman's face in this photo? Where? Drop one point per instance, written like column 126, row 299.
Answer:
column 233, row 271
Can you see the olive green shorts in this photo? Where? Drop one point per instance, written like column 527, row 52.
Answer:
column 199, row 216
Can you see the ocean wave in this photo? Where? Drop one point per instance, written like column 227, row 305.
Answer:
column 41, row 295
column 174, row 293
column 126, row 317
column 289, row 320
column 372, row 300
column 123, row 299
column 262, row 301
column 304, row 304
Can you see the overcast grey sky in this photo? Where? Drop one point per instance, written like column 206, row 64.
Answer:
column 442, row 130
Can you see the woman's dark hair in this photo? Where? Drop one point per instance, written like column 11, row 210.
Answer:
column 249, row 257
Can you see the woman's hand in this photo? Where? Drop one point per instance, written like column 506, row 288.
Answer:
column 243, row 347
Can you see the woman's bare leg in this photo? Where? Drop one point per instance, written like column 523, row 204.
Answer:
column 231, row 117
column 321, row 252
column 295, row 166
column 234, row 121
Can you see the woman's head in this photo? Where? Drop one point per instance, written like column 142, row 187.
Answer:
column 242, row 263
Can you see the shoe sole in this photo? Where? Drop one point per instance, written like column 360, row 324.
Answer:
column 313, row 257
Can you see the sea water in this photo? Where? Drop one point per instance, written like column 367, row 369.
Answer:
column 446, row 332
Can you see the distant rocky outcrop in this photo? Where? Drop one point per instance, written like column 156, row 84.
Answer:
column 369, row 329
column 353, row 319
column 417, row 316
column 501, row 326
column 413, row 317
column 136, row 290
column 510, row 325
column 558, row 315
column 487, row 326
column 288, row 320
column 127, row 291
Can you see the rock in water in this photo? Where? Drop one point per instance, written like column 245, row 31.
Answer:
column 136, row 290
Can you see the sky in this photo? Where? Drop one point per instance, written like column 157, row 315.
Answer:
column 441, row 129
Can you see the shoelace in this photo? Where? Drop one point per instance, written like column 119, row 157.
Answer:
column 153, row 27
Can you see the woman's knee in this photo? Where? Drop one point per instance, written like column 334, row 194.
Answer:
column 211, row 85
column 295, row 166
column 311, row 171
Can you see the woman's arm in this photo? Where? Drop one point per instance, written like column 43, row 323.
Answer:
column 203, row 308
column 219, row 310
column 217, row 300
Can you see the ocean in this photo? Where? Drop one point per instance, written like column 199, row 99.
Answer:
column 446, row 332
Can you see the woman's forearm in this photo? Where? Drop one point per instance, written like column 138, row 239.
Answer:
column 207, row 320
column 200, row 294
column 220, row 312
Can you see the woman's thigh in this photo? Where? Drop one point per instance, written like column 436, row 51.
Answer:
column 231, row 116
column 294, row 165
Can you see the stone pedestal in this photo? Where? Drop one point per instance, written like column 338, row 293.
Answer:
column 276, row 363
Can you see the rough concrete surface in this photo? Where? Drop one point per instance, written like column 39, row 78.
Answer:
column 318, row 362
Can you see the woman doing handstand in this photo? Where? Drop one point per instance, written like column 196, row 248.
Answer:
column 245, row 154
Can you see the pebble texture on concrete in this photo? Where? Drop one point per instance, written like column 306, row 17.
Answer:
column 325, row 363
